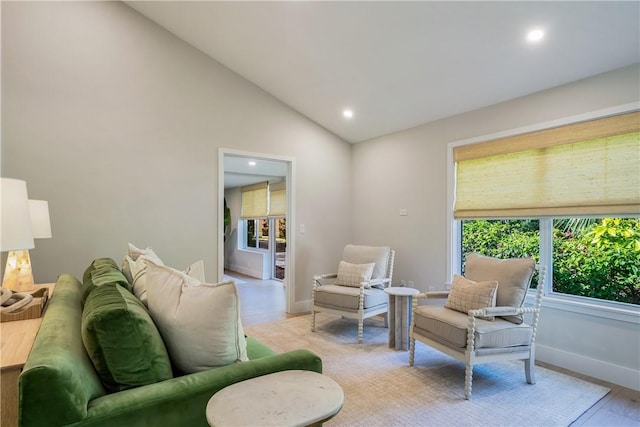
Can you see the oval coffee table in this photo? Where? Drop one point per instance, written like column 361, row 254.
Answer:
column 287, row 398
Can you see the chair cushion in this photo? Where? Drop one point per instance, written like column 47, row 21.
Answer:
column 347, row 298
column 358, row 254
column 450, row 328
column 354, row 274
column 513, row 275
column 468, row 295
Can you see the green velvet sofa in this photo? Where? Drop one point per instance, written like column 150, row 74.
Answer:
column 59, row 385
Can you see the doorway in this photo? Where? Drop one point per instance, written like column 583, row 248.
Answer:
column 272, row 234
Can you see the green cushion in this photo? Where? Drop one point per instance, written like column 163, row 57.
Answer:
column 100, row 272
column 97, row 263
column 122, row 341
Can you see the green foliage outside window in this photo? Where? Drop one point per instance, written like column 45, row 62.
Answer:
column 591, row 259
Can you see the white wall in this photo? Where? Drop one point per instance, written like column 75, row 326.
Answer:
column 117, row 123
column 408, row 170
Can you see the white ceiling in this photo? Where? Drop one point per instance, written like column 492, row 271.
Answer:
column 238, row 171
column 401, row 64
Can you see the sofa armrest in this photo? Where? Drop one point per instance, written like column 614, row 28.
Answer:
column 182, row 401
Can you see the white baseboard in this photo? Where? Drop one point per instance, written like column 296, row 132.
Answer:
column 606, row 371
column 258, row 274
column 301, row 307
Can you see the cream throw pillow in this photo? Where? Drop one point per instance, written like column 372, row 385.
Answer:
column 132, row 255
column 354, row 274
column 468, row 295
column 199, row 322
column 139, row 270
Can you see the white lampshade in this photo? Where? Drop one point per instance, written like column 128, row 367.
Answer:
column 40, row 223
column 15, row 218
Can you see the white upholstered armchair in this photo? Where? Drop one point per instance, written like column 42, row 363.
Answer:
column 482, row 320
column 357, row 290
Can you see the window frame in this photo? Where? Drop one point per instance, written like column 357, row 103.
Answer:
column 242, row 234
column 573, row 303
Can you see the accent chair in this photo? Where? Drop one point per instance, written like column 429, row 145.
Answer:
column 482, row 320
column 356, row 291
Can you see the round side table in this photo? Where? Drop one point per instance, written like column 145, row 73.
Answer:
column 286, row 398
column 400, row 302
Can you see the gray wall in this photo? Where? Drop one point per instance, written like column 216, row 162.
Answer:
column 117, row 123
column 408, row 170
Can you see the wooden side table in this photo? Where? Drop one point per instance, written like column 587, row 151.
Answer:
column 286, row 398
column 400, row 302
column 16, row 340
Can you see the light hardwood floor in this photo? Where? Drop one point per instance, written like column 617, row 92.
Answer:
column 263, row 301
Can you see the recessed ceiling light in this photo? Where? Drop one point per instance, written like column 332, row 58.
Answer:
column 347, row 114
column 535, row 35
column 252, row 163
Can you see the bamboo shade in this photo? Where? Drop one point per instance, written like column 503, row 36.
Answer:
column 581, row 169
column 278, row 199
column 255, row 201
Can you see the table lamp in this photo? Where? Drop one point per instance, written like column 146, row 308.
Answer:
column 16, row 234
column 40, row 223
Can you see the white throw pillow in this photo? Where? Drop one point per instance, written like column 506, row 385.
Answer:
column 354, row 274
column 139, row 271
column 132, row 255
column 196, row 270
column 200, row 324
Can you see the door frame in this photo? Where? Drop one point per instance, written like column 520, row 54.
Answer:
column 289, row 279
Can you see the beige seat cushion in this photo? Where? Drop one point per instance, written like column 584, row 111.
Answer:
column 450, row 328
column 513, row 275
column 358, row 254
column 347, row 298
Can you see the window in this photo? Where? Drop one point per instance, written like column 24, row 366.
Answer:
column 263, row 203
column 591, row 257
column 597, row 258
column 256, row 234
column 566, row 195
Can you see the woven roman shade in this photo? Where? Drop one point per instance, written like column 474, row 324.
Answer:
column 255, row 201
column 278, row 199
column 587, row 168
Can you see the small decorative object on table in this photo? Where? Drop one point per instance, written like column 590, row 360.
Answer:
column 24, row 305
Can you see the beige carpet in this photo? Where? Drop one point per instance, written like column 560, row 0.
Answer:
column 381, row 389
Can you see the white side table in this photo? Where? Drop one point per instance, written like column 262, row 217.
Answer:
column 286, row 398
column 400, row 302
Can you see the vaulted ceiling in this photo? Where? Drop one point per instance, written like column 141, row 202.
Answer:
column 397, row 65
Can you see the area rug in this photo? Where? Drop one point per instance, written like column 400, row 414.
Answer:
column 381, row 389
